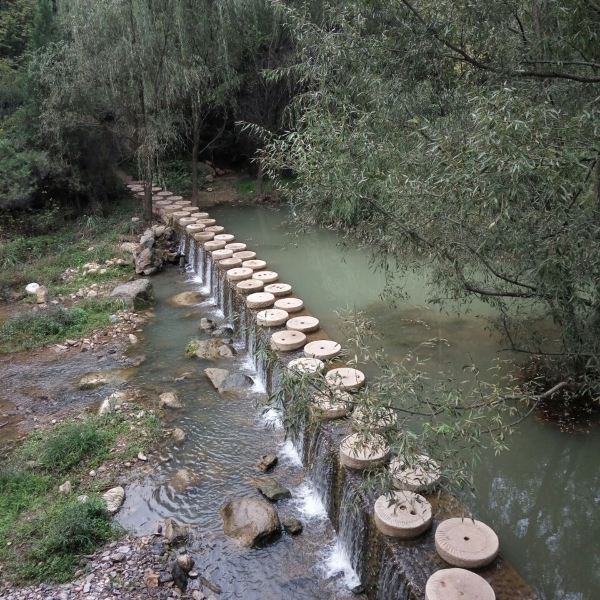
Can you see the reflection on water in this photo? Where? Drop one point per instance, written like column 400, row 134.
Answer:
column 542, row 496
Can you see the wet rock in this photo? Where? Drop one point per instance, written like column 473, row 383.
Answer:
column 137, row 293
column 186, row 562
column 178, row 435
column 223, row 331
column 65, row 488
column 266, row 462
column 226, row 351
column 249, row 520
column 133, row 339
column 184, row 479
column 271, row 489
column 186, row 299
column 226, row 382
column 114, row 499
column 112, row 403
column 212, row 349
column 217, row 376
column 180, row 577
column 174, row 532
column 169, row 400
column 206, row 324
column 292, row 525
column 91, row 381
column 158, row 548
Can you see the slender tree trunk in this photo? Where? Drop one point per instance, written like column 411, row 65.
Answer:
column 195, row 146
column 148, row 191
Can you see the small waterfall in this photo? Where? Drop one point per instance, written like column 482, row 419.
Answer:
column 391, row 584
column 192, row 255
column 201, row 270
column 353, row 528
column 322, row 462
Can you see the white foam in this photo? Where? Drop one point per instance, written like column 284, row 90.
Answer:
column 288, row 453
column 272, row 417
column 308, row 501
column 336, row 561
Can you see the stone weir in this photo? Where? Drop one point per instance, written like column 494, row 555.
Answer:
column 393, row 559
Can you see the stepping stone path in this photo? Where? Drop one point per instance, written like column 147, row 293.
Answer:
column 266, row 276
column 239, row 274
column 358, row 452
column 345, row 378
column 286, row 341
column 241, row 254
column 272, row 317
column 239, row 247
column 278, row 289
column 423, row 476
column 458, row 584
column 225, row 237
column 322, row 349
column 291, row 305
column 332, row 406
column 377, row 419
column 404, row 514
column 214, row 245
column 247, row 286
column 306, row 365
column 260, row 300
column 305, row 324
column 464, row 542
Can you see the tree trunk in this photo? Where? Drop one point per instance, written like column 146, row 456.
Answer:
column 148, row 192
column 195, row 145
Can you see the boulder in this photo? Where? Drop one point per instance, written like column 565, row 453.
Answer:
column 212, row 349
column 147, row 262
column 226, row 382
column 186, row 562
column 226, row 351
column 41, row 295
column 137, row 293
column 169, row 400
column 112, row 403
column 292, row 525
column 184, row 479
column 186, row 299
column 217, row 376
column 174, row 532
column 114, row 499
column 178, row 435
column 266, row 462
column 249, row 520
column 271, row 489
column 206, row 324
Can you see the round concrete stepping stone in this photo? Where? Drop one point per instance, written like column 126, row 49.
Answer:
column 180, row 213
column 195, row 228
column 360, row 452
column 345, row 378
column 169, row 210
column 322, row 349
column 185, row 221
column 249, row 286
column 403, row 514
column 183, row 203
column 229, row 263
column 216, row 229
column 266, row 276
column 156, row 188
column 214, row 245
column 239, row 274
column 334, row 405
column 162, row 203
column 225, row 237
column 194, row 210
column 279, row 289
column 378, row 419
column 292, row 305
column 243, row 254
column 207, row 222
column 423, row 476
column 305, row 324
column 255, row 264
column 458, row 584
column 286, row 341
column 203, row 215
column 306, row 365
column 164, row 193
column 260, row 300
column 272, row 317
column 204, row 236
column 175, row 198
column 238, row 247
column 221, row 254
column 466, row 543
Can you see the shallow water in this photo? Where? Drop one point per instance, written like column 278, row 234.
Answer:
column 542, row 496
column 224, row 440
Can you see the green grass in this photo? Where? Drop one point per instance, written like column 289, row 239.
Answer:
column 35, row 329
column 44, row 533
column 43, row 257
column 176, row 176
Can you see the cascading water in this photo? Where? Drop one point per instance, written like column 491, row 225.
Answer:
column 391, row 584
column 322, row 462
column 353, row 528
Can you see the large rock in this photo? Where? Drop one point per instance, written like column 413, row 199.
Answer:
column 226, row 382
column 271, row 489
column 137, row 293
column 112, row 402
column 114, row 499
column 175, row 533
column 41, row 295
column 186, row 299
column 169, row 400
column 249, row 520
column 212, row 349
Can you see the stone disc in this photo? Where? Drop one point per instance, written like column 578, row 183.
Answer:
column 238, row 247
column 185, row 221
column 458, row 584
column 345, row 378
column 172, row 208
column 225, row 237
column 306, row 365
column 221, row 254
column 156, row 188
column 266, row 276
column 402, row 514
column 207, row 222
column 422, row 476
column 255, row 264
column 260, row 300
column 377, row 419
column 243, row 254
column 164, row 193
column 239, row 274
column 175, row 198
column 466, row 543
column 195, row 228
column 162, row 203
column 184, row 203
column 335, row 405
column 322, row 349
column 214, row 245
column 305, row 324
column 180, row 213
column 204, row 236
column 360, row 452
column 250, row 285
column 216, row 229
column 230, row 263
column 286, row 341
column 272, row 317
column 203, row 215
column 279, row 289
column 194, row 210
column 292, row 305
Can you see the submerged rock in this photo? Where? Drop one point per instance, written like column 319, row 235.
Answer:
column 174, row 532
column 186, row 299
column 292, row 525
column 114, row 499
column 91, row 381
column 249, row 520
column 226, row 382
column 137, row 293
column 266, row 462
column 212, row 349
column 217, row 376
column 206, row 324
column 271, row 489
column 184, row 479
column 169, row 400
column 178, row 435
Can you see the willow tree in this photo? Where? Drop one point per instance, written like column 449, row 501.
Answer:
column 112, row 77
column 464, row 134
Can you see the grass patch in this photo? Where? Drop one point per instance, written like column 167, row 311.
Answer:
column 44, row 533
column 176, row 176
column 43, row 257
column 35, row 329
